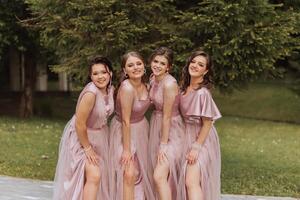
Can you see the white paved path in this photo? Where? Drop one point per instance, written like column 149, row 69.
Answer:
column 26, row 189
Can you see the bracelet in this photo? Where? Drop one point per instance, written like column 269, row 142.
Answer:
column 163, row 146
column 197, row 146
column 87, row 148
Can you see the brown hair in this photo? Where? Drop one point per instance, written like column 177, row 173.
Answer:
column 207, row 79
column 163, row 51
column 100, row 60
column 122, row 75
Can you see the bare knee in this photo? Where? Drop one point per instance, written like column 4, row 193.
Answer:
column 93, row 177
column 193, row 176
column 192, row 182
column 160, row 175
column 92, row 174
column 129, row 177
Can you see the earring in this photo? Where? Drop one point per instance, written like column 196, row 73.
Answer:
column 126, row 75
column 145, row 71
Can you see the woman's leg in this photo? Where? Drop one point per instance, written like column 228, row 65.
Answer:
column 92, row 182
column 193, row 182
column 160, row 176
column 130, row 176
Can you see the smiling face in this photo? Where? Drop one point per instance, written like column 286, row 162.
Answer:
column 134, row 67
column 159, row 65
column 100, row 76
column 198, row 67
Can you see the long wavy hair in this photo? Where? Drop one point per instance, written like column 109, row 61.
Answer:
column 99, row 59
column 122, row 75
column 207, row 78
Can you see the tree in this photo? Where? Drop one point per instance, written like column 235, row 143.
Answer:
column 77, row 29
column 14, row 35
column 292, row 63
column 245, row 37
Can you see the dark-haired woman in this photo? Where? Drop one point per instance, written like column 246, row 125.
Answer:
column 200, row 178
column 82, row 168
column 129, row 134
column 166, row 125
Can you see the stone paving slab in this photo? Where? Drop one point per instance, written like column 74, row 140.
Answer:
column 27, row 189
column 24, row 189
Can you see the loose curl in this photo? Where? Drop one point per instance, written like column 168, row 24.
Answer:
column 207, row 78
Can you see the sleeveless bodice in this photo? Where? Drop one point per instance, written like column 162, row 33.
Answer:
column 156, row 94
column 139, row 108
column 103, row 107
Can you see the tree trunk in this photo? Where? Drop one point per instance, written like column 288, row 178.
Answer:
column 26, row 104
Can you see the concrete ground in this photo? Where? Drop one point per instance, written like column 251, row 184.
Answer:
column 26, row 189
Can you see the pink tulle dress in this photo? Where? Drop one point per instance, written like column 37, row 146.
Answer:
column 176, row 132
column 139, row 127
column 193, row 106
column 70, row 171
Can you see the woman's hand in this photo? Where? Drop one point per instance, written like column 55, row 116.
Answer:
column 91, row 156
column 192, row 156
column 126, row 157
column 162, row 153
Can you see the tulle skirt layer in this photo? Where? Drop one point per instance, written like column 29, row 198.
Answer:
column 70, row 171
column 139, row 147
column 174, row 149
column 209, row 162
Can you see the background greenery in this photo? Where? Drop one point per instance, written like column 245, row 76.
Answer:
column 246, row 38
column 249, row 40
column 258, row 156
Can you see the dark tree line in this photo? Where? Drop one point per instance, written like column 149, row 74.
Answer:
column 245, row 37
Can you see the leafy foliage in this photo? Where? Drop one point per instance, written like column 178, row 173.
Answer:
column 245, row 37
column 78, row 30
column 12, row 31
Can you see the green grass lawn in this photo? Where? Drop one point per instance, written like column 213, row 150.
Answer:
column 258, row 157
column 269, row 101
column 28, row 148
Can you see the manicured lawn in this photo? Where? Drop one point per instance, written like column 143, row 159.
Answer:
column 28, row 148
column 258, row 157
column 269, row 101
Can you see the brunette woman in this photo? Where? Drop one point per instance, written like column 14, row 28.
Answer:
column 129, row 134
column 200, row 178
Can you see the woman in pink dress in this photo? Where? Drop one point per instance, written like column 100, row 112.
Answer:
column 129, row 134
column 166, row 125
column 82, row 168
column 200, row 178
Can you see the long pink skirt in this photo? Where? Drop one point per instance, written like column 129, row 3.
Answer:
column 209, row 162
column 70, row 171
column 139, row 146
column 174, row 149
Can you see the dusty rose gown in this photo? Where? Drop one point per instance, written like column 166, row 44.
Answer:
column 139, row 127
column 193, row 106
column 176, row 133
column 69, row 177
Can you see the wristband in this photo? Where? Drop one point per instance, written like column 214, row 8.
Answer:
column 163, row 147
column 197, row 146
column 87, row 148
